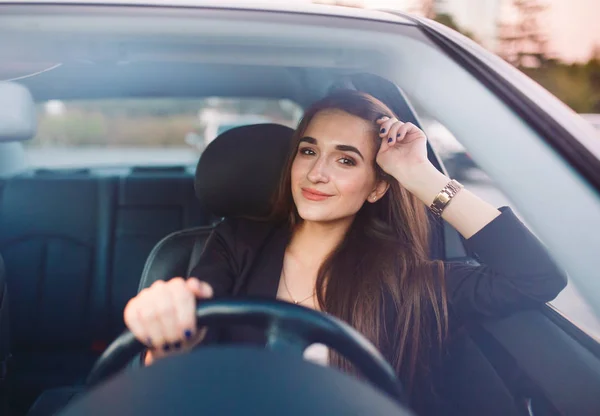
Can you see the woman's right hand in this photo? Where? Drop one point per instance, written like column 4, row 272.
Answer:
column 163, row 316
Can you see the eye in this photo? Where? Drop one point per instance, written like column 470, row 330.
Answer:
column 307, row 151
column 348, row 161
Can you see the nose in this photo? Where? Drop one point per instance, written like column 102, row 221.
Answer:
column 318, row 172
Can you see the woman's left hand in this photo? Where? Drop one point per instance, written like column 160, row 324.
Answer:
column 403, row 148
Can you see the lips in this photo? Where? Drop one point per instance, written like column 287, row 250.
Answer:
column 314, row 195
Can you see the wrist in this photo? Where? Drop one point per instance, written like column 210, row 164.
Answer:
column 423, row 181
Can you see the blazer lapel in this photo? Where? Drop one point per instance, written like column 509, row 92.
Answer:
column 263, row 279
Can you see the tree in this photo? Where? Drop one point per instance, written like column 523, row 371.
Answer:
column 522, row 42
column 592, row 68
column 434, row 10
column 595, row 56
column 447, row 20
column 427, row 8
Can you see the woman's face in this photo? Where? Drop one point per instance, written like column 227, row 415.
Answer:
column 333, row 172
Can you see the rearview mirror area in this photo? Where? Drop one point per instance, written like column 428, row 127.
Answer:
column 18, row 119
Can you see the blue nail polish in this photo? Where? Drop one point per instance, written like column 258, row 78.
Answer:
column 149, row 342
column 177, row 345
column 382, row 131
column 390, row 140
column 188, row 334
column 166, row 347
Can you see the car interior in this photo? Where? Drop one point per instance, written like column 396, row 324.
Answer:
column 77, row 244
column 98, row 235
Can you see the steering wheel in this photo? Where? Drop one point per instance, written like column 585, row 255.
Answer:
column 287, row 327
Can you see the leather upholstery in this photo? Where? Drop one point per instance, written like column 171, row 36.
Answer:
column 174, row 255
column 4, row 339
column 236, row 176
column 74, row 245
column 239, row 171
column 53, row 400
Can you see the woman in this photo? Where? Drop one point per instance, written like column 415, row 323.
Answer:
column 349, row 236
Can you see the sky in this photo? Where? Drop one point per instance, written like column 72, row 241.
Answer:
column 573, row 26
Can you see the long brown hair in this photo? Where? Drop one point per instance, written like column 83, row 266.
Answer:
column 383, row 260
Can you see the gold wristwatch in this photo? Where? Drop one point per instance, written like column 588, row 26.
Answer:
column 442, row 199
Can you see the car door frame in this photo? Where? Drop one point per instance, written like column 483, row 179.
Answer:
column 545, row 347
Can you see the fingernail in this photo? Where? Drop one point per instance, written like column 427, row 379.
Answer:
column 382, row 131
column 390, row 140
column 177, row 345
column 188, row 333
column 149, row 342
column 166, row 347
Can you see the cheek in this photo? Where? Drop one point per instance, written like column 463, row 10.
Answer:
column 296, row 170
column 358, row 184
column 300, row 168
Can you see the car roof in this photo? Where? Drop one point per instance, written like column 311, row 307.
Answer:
column 287, row 7
column 97, row 49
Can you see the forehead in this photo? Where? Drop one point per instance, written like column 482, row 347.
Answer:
column 338, row 127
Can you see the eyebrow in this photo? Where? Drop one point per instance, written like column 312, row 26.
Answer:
column 342, row 147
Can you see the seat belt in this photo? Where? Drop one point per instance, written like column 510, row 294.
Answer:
column 195, row 254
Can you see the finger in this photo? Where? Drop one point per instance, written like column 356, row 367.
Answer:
column 201, row 290
column 147, row 315
column 413, row 132
column 134, row 324
column 385, row 126
column 392, row 134
column 382, row 119
column 402, row 131
column 185, row 310
column 167, row 317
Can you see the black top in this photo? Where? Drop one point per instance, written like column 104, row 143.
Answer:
column 245, row 258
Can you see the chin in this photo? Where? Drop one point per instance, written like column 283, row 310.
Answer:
column 313, row 214
column 322, row 215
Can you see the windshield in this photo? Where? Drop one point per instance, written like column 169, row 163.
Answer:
column 133, row 132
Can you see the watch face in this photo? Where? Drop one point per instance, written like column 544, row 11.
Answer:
column 443, row 198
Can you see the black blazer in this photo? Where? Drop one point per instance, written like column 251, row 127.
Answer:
column 245, row 258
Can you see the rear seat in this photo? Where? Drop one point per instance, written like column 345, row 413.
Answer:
column 74, row 246
column 149, row 207
column 49, row 239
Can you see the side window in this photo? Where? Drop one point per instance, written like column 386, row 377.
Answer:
column 463, row 168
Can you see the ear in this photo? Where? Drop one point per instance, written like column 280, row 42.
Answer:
column 379, row 191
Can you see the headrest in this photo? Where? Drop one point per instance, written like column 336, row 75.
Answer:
column 18, row 120
column 384, row 90
column 238, row 172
